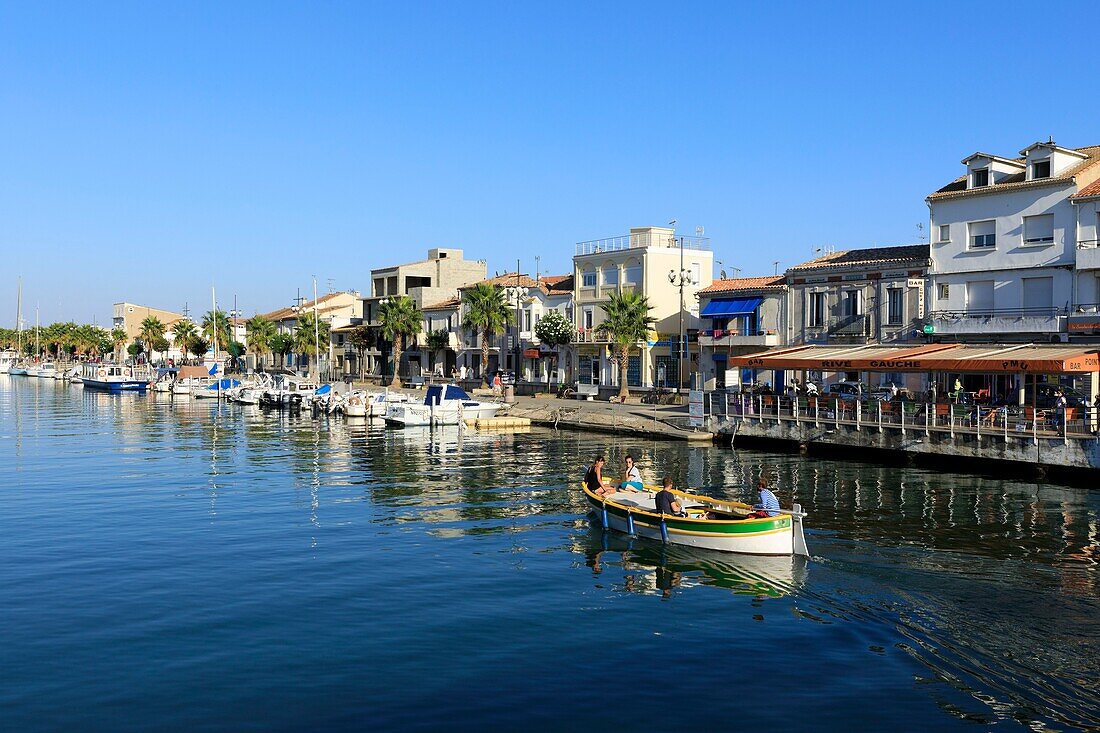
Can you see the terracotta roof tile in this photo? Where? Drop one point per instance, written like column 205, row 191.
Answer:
column 771, row 282
column 1093, row 189
column 446, row 304
column 284, row 313
column 1017, row 181
column 873, row 256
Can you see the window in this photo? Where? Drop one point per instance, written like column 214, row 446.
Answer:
column 1040, row 169
column 696, row 273
column 945, row 233
column 817, row 310
column 1039, row 229
column 895, row 306
column 611, row 275
column 632, row 275
column 1038, row 293
column 527, row 320
column 587, row 322
column 979, row 297
column 588, row 280
column 983, row 234
column 945, row 292
column 979, row 178
column 852, row 302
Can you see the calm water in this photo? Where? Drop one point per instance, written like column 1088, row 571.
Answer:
column 194, row 566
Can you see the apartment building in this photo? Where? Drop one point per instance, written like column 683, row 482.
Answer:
column 339, row 310
column 740, row 316
column 1083, row 322
column 858, row 296
column 654, row 261
column 1005, row 234
column 128, row 317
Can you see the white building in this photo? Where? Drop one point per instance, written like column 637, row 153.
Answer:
column 1004, row 244
column 1083, row 324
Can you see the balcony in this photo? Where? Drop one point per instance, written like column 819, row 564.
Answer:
column 857, row 326
column 590, row 336
column 639, row 240
column 1088, row 255
column 992, row 321
column 730, row 339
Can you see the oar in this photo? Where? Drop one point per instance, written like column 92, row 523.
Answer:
column 790, row 512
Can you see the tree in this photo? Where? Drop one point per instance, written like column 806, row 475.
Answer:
column 258, row 332
column 361, row 338
column 307, row 334
column 198, row 346
column 399, row 317
column 437, row 341
column 487, row 313
column 215, row 328
column 183, row 333
column 627, row 321
column 135, row 349
column 554, row 330
column 152, row 330
column 281, row 344
column 118, row 340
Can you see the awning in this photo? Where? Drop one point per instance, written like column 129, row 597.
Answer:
column 725, row 307
column 989, row 359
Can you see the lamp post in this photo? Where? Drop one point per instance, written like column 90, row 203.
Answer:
column 517, row 293
column 680, row 279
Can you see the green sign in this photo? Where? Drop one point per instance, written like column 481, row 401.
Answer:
column 929, row 329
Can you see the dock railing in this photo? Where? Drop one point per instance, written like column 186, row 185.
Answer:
column 1071, row 423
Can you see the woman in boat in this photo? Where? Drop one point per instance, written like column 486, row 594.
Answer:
column 594, row 480
column 769, row 505
column 632, row 477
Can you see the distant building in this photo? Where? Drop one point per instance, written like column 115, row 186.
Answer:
column 338, row 310
column 645, row 260
column 128, row 317
column 740, row 316
column 1005, row 239
column 859, row 296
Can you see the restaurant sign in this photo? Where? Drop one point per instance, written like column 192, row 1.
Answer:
column 1087, row 323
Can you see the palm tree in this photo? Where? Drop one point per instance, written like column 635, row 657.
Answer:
column 310, row 334
column 487, row 313
column 627, row 322
column 183, row 332
column 118, row 340
column 151, row 333
column 400, row 318
column 258, row 331
column 215, row 327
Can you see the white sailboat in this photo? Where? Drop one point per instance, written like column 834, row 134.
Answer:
column 443, row 405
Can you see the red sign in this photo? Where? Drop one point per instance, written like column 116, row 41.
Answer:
column 531, row 354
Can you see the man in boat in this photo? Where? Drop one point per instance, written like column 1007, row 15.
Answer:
column 594, row 480
column 666, row 501
column 769, row 505
column 632, row 477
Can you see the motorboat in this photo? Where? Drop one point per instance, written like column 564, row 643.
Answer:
column 73, row 376
column 112, row 378
column 710, row 523
column 190, row 378
column 444, row 404
column 47, row 370
column 216, row 389
column 287, row 392
column 165, row 378
column 8, row 359
column 379, row 402
column 17, row 370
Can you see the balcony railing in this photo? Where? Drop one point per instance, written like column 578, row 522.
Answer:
column 857, row 325
column 639, row 240
column 986, row 313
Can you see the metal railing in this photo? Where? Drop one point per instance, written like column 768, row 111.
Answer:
column 1006, row 421
column 641, row 239
column 1043, row 312
column 857, row 325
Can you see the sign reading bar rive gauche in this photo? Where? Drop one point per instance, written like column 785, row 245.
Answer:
column 1088, row 323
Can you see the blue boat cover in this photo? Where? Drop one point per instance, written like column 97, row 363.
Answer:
column 720, row 307
column 225, row 384
column 323, row 389
column 213, row 370
column 435, row 392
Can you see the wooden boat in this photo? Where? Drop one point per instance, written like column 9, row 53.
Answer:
column 731, row 531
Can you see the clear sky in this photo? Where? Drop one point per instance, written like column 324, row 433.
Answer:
column 148, row 151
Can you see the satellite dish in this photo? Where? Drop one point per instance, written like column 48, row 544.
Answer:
column 699, row 231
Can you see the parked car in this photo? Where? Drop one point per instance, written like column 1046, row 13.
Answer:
column 1045, row 396
column 847, row 390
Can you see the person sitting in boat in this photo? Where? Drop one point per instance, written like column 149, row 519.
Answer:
column 666, row 501
column 632, row 477
column 769, row 505
column 595, row 481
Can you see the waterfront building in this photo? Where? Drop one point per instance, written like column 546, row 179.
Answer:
column 338, row 310
column 740, row 316
column 670, row 270
column 1083, row 323
column 429, row 282
column 1005, row 264
column 128, row 317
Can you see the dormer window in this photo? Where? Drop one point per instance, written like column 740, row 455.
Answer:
column 1040, row 169
column 979, row 178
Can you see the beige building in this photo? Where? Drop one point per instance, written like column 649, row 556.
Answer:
column 653, row 261
column 740, row 316
column 128, row 317
column 338, row 310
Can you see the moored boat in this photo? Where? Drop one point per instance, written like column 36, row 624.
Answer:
column 443, row 405
column 112, row 378
column 47, row 370
column 730, row 529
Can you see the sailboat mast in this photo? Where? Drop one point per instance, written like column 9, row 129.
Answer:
column 19, row 317
column 316, row 335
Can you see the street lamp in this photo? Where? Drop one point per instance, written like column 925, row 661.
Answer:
column 680, row 279
column 517, row 293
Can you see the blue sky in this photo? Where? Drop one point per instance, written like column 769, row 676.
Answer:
column 148, row 151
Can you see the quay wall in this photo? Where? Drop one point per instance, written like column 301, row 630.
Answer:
column 915, row 443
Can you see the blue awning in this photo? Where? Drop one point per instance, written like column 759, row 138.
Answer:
column 725, row 307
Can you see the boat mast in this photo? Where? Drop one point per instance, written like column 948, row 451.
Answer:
column 37, row 348
column 214, row 335
column 316, row 336
column 19, row 319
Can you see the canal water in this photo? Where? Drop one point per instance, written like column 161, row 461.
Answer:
column 190, row 566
